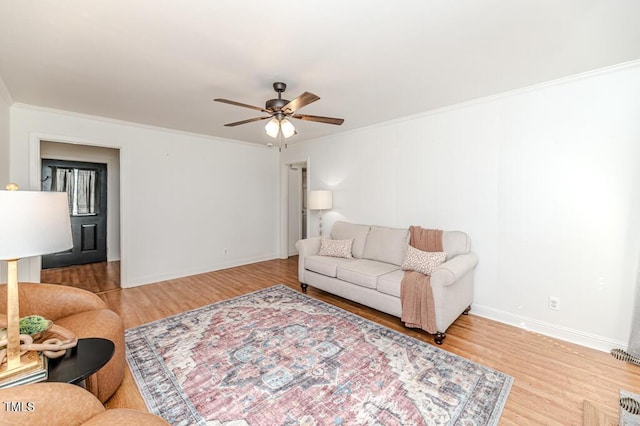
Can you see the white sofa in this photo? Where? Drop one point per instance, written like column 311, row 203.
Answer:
column 373, row 276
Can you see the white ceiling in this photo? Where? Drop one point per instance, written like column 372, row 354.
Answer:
column 161, row 62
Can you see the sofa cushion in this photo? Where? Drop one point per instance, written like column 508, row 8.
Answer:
column 324, row 265
column 422, row 261
column 335, row 248
column 364, row 272
column 390, row 283
column 346, row 231
column 386, row 244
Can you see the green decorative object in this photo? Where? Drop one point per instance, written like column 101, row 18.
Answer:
column 34, row 324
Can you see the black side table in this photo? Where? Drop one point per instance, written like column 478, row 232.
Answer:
column 78, row 363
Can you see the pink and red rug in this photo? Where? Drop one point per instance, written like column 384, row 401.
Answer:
column 279, row 357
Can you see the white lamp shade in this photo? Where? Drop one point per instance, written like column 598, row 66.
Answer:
column 272, row 127
column 33, row 223
column 320, row 200
column 287, row 128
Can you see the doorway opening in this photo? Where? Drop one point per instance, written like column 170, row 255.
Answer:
column 296, row 205
column 86, row 188
column 91, row 178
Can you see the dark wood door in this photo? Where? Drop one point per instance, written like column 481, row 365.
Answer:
column 86, row 188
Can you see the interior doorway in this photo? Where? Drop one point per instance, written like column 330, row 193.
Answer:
column 86, row 187
column 95, row 265
column 296, row 205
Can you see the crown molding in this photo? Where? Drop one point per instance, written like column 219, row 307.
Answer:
column 118, row 122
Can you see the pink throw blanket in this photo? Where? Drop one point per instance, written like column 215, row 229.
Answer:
column 416, row 295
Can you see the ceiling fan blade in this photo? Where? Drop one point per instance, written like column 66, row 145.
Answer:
column 237, row 123
column 303, row 100
column 327, row 120
column 227, row 101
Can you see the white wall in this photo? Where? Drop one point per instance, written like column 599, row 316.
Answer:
column 184, row 198
column 5, row 104
column 93, row 154
column 545, row 181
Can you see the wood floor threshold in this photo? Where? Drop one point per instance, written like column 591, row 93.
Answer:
column 594, row 416
column 553, row 378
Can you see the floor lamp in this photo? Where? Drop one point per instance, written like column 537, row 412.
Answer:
column 320, row 200
column 32, row 223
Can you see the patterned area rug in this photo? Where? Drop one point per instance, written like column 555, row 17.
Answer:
column 279, row 357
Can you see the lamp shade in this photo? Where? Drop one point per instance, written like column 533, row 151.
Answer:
column 272, row 127
column 33, row 223
column 287, row 129
column 320, row 200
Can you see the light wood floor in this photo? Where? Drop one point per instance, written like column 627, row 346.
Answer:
column 552, row 378
column 94, row 277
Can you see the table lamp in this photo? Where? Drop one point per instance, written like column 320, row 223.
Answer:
column 32, row 223
column 320, row 200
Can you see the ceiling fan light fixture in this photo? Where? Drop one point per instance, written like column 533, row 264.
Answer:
column 272, row 127
column 287, row 128
column 278, row 112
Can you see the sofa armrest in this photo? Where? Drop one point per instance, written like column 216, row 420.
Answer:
column 52, row 301
column 453, row 269
column 306, row 247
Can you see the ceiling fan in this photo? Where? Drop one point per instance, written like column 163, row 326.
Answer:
column 279, row 110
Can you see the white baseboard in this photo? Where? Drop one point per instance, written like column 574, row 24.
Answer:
column 567, row 334
column 128, row 282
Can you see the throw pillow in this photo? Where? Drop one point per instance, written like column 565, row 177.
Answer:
column 335, row 248
column 422, row 261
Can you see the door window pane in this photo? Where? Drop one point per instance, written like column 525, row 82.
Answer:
column 80, row 186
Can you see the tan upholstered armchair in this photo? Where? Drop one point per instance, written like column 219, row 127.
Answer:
column 82, row 313
column 62, row 404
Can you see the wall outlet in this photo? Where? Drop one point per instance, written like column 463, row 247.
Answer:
column 554, row 303
column 225, row 251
